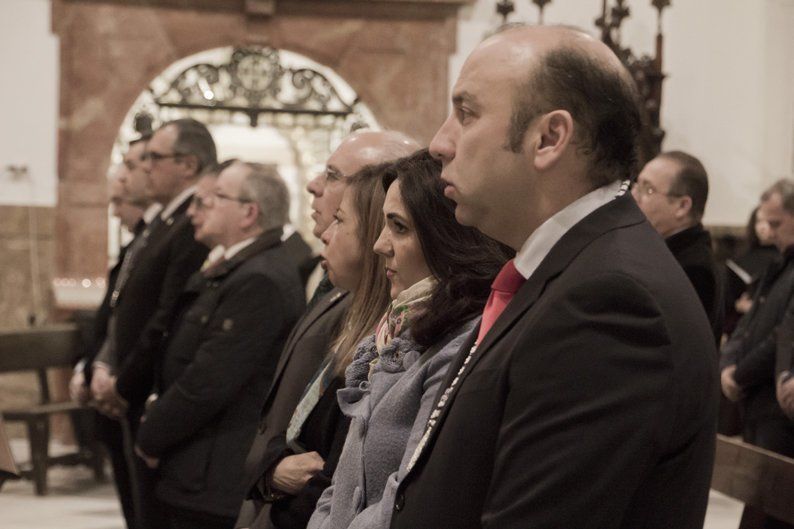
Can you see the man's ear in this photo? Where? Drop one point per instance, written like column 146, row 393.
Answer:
column 553, row 135
column 684, row 207
column 252, row 214
column 191, row 163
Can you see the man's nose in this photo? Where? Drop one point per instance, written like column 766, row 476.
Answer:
column 443, row 145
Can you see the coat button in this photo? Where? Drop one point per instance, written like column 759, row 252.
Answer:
column 399, row 502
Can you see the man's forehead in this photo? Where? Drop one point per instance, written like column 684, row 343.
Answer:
column 135, row 151
column 164, row 136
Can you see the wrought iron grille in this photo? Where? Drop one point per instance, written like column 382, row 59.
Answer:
column 254, row 82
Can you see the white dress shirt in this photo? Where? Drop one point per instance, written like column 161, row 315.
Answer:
column 177, row 201
column 543, row 239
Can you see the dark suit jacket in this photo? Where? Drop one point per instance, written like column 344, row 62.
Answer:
column 145, row 307
column 221, row 353
column 98, row 324
column 301, row 254
column 753, row 345
column 324, row 432
column 306, row 347
column 692, row 249
column 591, row 403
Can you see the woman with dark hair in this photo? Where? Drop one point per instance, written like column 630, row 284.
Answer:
column 440, row 274
column 743, row 272
column 306, row 455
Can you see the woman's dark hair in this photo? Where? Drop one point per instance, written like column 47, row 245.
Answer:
column 463, row 260
column 752, row 239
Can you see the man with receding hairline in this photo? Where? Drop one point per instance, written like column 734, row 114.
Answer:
column 587, row 397
column 312, row 336
column 222, row 345
column 672, row 190
column 158, row 267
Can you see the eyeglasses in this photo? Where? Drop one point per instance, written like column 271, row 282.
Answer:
column 222, row 196
column 646, row 189
column 155, row 157
column 201, row 202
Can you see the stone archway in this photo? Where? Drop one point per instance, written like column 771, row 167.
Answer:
column 262, row 105
column 393, row 53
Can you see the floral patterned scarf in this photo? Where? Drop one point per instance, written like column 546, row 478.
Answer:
column 398, row 318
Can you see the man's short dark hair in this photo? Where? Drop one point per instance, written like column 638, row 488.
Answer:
column 602, row 101
column 193, row 138
column 785, row 188
column 142, row 138
column 691, row 180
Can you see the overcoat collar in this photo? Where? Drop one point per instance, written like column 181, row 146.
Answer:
column 326, row 303
column 265, row 241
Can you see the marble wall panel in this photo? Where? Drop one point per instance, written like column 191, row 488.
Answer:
column 24, row 230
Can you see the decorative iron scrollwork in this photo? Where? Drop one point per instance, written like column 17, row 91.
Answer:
column 254, row 82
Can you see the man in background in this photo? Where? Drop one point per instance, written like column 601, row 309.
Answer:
column 108, row 431
column 672, row 190
column 221, row 350
column 157, row 268
column 748, row 363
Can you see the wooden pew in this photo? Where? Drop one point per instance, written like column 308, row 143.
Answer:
column 759, row 478
column 38, row 349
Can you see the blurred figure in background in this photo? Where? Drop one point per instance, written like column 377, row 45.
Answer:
column 672, row 190
column 744, row 272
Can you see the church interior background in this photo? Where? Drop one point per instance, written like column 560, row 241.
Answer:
column 282, row 81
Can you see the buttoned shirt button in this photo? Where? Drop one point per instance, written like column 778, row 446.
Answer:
column 399, row 502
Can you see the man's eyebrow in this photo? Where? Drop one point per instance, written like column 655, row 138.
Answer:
column 464, row 97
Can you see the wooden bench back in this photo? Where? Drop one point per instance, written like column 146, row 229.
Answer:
column 39, row 348
column 756, row 477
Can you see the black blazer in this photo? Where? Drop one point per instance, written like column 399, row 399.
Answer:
column 692, row 249
column 97, row 332
column 754, row 344
column 145, row 307
column 324, row 432
column 221, row 353
column 591, row 403
column 302, row 255
column 306, row 347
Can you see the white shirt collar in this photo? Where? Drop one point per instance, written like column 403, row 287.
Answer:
column 151, row 212
column 543, row 239
column 177, row 201
column 234, row 249
column 287, row 230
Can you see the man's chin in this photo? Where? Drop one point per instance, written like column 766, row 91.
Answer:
column 463, row 216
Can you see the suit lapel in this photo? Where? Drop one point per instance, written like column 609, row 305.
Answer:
column 329, row 301
column 616, row 214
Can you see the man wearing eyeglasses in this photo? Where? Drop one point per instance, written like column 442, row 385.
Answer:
column 157, row 268
column 672, row 190
column 229, row 327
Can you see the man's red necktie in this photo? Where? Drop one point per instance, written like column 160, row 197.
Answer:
column 503, row 288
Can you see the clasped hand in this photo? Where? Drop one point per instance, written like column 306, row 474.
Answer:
column 293, row 472
column 106, row 398
column 785, row 395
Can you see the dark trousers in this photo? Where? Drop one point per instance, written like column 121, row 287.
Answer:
column 180, row 518
column 109, row 434
column 152, row 513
